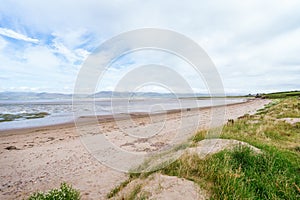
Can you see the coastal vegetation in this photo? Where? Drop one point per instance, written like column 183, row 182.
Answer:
column 65, row 192
column 279, row 95
column 241, row 174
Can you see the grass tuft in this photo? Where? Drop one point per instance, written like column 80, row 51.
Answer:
column 117, row 189
column 65, row 192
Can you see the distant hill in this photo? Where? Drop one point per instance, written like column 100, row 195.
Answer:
column 32, row 96
column 102, row 94
column 108, row 94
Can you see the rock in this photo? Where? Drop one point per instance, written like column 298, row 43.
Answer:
column 158, row 186
column 230, row 122
column 11, row 148
column 212, row 146
column 291, row 121
column 51, row 138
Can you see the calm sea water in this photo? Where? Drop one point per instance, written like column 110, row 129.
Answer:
column 63, row 111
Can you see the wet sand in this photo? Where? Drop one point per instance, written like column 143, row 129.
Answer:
column 39, row 159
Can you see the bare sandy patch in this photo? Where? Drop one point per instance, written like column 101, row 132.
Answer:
column 291, row 121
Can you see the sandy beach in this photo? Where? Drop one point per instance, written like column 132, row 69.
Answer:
column 39, row 159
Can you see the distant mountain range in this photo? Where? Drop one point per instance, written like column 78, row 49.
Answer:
column 102, row 94
column 32, row 96
column 27, row 96
column 105, row 94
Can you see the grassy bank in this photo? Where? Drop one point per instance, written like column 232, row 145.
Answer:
column 241, row 173
column 278, row 95
column 269, row 127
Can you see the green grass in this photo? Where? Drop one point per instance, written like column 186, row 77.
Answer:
column 279, row 95
column 241, row 174
column 267, row 128
column 275, row 174
column 65, row 192
column 198, row 137
column 117, row 189
column 134, row 193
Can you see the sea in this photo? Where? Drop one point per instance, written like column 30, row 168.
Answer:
column 14, row 114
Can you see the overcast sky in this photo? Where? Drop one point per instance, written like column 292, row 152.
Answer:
column 255, row 45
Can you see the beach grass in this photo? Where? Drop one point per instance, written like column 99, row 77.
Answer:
column 118, row 188
column 268, row 126
column 240, row 174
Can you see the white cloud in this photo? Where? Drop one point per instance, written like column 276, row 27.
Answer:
column 72, row 38
column 72, row 55
column 12, row 34
column 37, row 69
column 254, row 44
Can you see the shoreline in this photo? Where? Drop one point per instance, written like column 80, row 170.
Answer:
column 106, row 118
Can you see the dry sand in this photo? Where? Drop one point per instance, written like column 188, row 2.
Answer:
column 39, row 159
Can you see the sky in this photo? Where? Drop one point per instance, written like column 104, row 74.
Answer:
column 254, row 44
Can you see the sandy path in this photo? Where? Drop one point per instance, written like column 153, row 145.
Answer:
column 48, row 156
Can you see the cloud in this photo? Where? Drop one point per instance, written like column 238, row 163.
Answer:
column 2, row 44
column 39, row 67
column 12, row 34
column 254, row 44
column 72, row 55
